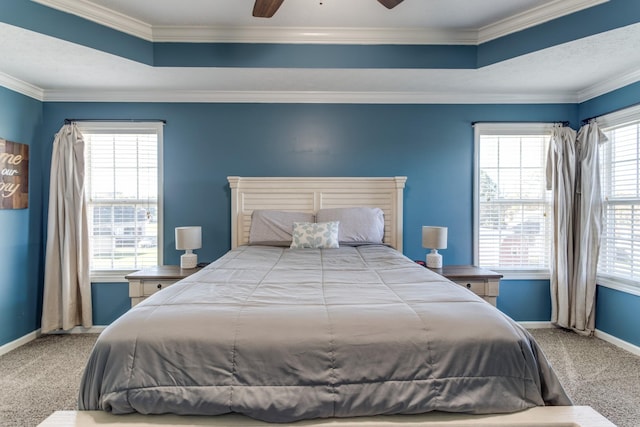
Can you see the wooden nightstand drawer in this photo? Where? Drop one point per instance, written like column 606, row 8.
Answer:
column 146, row 282
column 152, row 286
column 476, row 286
column 484, row 283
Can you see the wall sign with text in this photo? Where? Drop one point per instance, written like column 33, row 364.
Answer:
column 14, row 175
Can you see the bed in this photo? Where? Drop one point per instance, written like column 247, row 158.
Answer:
column 282, row 334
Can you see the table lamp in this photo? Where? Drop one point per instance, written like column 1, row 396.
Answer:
column 188, row 238
column 434, row 238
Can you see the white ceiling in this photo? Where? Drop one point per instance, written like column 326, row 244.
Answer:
column 55, row 70
column 323, row 13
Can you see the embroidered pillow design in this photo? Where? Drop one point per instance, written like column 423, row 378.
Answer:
column 315, row 235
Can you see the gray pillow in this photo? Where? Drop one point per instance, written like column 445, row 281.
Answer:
column 274, row 228
column 357, row 225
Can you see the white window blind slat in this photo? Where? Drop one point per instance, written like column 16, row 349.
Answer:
column 512, row 225
column 122, row 188
column 619, row 164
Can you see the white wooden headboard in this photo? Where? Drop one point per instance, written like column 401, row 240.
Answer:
column 310, row 194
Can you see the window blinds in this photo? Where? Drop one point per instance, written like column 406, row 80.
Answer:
column 620, row 176
column 122, row 189
column 512, row 224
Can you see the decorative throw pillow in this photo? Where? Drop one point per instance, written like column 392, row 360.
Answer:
column 315, row 235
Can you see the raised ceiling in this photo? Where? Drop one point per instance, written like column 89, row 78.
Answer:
column 53, row 69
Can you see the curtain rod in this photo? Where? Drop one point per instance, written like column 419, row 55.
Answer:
column 587, row 120
column 68, row 121
column 563, row 123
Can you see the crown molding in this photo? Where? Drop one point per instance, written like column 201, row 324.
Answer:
column 19, row 86
column 313, row 35
column 305, row 97
column 103, row 16
column 584, row 95
column 531, row 18
column 199, row 34
column 608, row 85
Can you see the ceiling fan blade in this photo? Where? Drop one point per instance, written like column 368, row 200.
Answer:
column 390, row 4
column 266, row 8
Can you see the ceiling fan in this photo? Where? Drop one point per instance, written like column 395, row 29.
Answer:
column 267, row 8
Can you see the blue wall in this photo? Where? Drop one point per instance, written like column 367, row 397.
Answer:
column 110, row 301
column 204, row 143
column 20, row 229
column 525, row 300
column 618, row 314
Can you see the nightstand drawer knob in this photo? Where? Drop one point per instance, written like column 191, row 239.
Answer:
column 159, row 285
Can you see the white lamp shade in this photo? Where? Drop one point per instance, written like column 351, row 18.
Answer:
column 188, row 237
column 434, row 237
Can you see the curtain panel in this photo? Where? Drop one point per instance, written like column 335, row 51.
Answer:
column 67, row 286
column 574, row 177
column 561, row 175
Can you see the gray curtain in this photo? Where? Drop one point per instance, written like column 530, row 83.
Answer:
column 67, row 287
column 574, row 176
column 561, row 176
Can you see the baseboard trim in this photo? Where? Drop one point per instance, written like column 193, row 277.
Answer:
column 81, row 330
column 6, row 348
column 631, row 348
column 536, row 325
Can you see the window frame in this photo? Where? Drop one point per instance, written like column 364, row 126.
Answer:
column 105, row 127
column 618, row 118
column 505, row 128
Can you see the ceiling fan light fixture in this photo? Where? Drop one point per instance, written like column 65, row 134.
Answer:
column 266, row 8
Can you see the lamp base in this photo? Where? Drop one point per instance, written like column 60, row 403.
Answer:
column 434, row 259
column 188, row 260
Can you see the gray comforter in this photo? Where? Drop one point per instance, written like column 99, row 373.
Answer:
column 282, row 335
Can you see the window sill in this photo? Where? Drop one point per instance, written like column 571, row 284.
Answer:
column 632, row 288
column 521, row 274
column 110, row 276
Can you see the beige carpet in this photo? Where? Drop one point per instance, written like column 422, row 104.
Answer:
column 595, row 373
column 43, row 376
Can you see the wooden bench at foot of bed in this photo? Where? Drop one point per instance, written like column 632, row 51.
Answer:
column 578, row 416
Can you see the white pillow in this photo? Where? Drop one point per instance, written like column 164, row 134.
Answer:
column 358, row 225
column 315, row 235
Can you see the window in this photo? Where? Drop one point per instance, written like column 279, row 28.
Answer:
column 123, row 192
column 620, row 177
column 512, row 221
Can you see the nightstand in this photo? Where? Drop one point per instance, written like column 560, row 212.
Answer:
column 485, row 283
column 150, row 280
